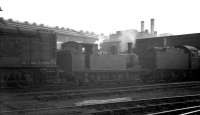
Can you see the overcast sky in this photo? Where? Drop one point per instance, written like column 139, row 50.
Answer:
column 107, row 16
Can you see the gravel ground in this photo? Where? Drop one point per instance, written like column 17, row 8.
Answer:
column 10, row 102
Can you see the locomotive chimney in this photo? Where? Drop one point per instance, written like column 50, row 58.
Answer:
column 152, row 26
column 146, row 31
column 130, row 47
column 142, row 26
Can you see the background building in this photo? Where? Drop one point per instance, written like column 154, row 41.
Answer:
column 62, row 34
column 118, row 42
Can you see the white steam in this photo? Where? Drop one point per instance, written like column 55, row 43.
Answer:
column 100, row 40
column 127, row 36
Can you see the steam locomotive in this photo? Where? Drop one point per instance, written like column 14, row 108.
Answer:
column 29, row 58
column 154, row 65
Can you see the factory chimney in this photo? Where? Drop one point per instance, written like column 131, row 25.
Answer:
column 130, row 47
column 152, row 26
column 142, row 26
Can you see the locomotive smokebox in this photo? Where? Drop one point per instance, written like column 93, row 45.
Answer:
column 130, row 44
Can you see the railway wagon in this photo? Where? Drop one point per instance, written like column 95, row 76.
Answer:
column 27, row 56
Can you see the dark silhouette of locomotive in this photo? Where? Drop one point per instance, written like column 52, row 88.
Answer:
column 151, row 65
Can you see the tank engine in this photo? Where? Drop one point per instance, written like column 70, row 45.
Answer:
column 155, row 65
column 89, row 68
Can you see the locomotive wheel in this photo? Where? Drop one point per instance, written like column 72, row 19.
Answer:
column 20, row 80
column 25, row 80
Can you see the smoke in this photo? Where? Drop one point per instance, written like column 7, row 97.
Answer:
column 100, row 40
column 59, row 43
column 125, row 37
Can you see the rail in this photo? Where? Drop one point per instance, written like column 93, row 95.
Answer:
column 109, row 91
column 182, row 111
column 145, row 106
column 133, row 106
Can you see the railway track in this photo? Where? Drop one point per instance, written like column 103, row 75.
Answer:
column 154, row 106
column 69, row 94
column 46, row 96
column 149, row 106
column 183, row 111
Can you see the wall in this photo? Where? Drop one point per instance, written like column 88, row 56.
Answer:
column 187, row 39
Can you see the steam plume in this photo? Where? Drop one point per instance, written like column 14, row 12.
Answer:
column 127, row 36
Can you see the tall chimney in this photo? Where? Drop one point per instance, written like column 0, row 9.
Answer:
column 142, row 26
column 130, row 47
column 152, row 26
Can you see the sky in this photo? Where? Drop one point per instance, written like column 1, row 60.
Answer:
column 107, row 16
